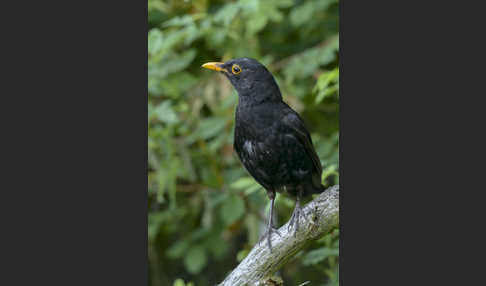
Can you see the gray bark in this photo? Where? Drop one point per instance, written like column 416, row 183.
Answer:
column 322, row 216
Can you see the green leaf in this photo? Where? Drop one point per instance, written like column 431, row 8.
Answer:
column 243, row 183
column 284, row 3
column 171, row 85
column 179, row 21
column 155, row 220
column 179, row 282
column 195, row 260
column 179, row 62
column 178, row 249
column 256, row 24
column 327, row 84
column 232, row 209
column 155, row 41
column 216, row 37
column 248, row 184
column 165, row 113
column 207, row 128
column 302, row 14
column 242, row 254
column 217, row 245
column 227, row 13
column 317, row 255
column 253, row 188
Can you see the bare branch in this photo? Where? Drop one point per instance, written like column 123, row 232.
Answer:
column 322, row 216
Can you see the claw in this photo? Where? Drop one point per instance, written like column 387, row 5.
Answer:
column 268, row 236
column 296, row 215
column 294, row 220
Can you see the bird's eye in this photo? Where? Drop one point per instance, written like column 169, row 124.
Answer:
column 235, row 69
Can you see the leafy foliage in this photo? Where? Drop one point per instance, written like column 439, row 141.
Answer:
column 205, row 211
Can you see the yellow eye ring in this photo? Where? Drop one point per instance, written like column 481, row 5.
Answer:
column 235, row 69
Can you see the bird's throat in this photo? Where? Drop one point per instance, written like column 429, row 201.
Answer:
column 259, row 98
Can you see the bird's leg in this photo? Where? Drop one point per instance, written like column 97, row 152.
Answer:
column 297, row 213
column 294, row 218
column 270, row 228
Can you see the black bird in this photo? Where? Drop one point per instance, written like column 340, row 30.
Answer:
column 270, row 137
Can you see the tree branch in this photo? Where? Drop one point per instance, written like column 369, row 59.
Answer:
column 322, row 216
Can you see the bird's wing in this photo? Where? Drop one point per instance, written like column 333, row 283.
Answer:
column 293, row 121
column 252, row 161
column 256, row 158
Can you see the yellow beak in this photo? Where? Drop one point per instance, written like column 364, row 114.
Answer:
column 214, row 66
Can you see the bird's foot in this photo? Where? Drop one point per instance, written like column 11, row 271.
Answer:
column 294, row 223
column 268, row 235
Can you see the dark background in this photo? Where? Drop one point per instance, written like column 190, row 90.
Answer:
column 74, row 179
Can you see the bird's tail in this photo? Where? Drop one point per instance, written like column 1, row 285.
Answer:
column 313, row 189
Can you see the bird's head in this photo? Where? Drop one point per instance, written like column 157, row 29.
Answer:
column 253, row 82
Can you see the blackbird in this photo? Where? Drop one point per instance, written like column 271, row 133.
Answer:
column 270, row 138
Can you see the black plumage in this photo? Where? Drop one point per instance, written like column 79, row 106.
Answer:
column 271, row 139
